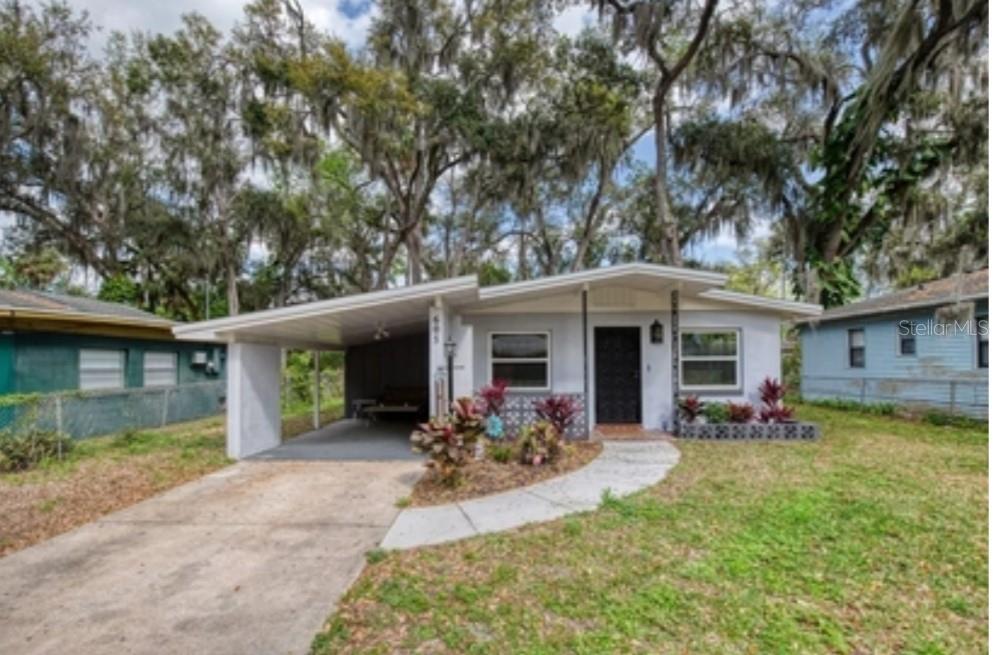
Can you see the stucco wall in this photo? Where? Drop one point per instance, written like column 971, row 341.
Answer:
column 760, row 351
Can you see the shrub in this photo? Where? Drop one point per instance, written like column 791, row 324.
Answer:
column 560, row 411
column 467, row 419
column 772, row 393
column 500, row 453
column 715, row 412
column 939, row 418
column 875, row 409
column 24, row 450
column 493, row 396
column 450, row 442
column 776, row 414
column 540, row 443
column 740, row 412
column 690, row 408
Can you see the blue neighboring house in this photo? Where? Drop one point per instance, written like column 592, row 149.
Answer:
column 926, row 348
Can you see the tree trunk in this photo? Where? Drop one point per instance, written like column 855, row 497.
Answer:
column 413, row 242
column 232, row 289
column 667, row 222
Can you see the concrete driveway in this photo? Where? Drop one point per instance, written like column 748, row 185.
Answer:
column 250, row 559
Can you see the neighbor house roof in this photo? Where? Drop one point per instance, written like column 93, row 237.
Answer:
column 352, row 319
column 44, row 311
column 957, row 288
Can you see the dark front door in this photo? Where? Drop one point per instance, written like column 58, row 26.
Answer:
column 617, row 361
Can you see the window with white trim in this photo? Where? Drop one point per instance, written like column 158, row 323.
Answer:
column 709, row 359
column 160, row 369
column 101, row 369
column 523, row 359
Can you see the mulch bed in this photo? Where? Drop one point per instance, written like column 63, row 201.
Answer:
column 484, row 477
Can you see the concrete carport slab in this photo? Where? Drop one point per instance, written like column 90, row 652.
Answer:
column 250, row 559
column 348, row 440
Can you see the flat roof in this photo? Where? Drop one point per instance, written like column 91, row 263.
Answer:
column 357, row 318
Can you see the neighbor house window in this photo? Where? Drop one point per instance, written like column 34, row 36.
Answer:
column 856, row 348
column 160, row 369
column 908, row 343
column 101, row 369
column 708, row 359
column 522, row 359
column 983, row 341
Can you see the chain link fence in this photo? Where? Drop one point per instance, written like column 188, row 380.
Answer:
column 85, row 414
column 966, row 397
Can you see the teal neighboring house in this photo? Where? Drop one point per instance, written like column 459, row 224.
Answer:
column 925, row 348
column 88, row 367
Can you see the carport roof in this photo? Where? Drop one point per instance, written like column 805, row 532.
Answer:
column 338, row 322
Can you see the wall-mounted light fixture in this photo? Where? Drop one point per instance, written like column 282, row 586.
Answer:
column 657, row 332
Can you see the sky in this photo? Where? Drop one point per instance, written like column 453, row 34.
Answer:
column 346, row 19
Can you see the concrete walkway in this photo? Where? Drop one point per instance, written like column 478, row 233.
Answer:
column 623, row 467
column 250, row 559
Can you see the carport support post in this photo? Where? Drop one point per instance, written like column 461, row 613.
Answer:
column 437, row 360
column 317, row 389
column 674, row 304
column 254, row 421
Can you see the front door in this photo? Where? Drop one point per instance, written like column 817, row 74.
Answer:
column 617, row 361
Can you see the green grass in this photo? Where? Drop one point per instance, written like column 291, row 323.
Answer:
column 872, row 539
column 195, row 445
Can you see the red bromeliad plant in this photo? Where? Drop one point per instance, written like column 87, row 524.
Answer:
column 493, row 396
column 777, row 414
column 560, row 411
column 740, row 412
column 772, row 392
column 690, row 408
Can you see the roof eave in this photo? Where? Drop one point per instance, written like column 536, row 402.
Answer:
column 879, row 311
column 786, row 307
column 601, row 274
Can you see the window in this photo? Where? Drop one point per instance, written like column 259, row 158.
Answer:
column 708, row 359
column 983, row 341
column 521, row 358
column 101, row 369
column 160, row 369
column 856, row 348
column 908, row 343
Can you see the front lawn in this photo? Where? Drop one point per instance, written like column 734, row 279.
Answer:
column 872, row 539
column 104, row 474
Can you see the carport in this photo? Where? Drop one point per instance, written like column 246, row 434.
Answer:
column 394, row 343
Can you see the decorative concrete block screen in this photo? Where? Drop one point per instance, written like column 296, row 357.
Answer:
column 743, row 431
column 518, row 411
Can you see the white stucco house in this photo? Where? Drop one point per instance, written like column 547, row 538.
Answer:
column 627, row 341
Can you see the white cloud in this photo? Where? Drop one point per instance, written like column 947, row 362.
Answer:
column 166, row 17
column 574, row 19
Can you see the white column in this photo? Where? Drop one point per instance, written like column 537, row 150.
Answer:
column 317, row 389
column 254, row 421
column 463, row 372
column 437, row 364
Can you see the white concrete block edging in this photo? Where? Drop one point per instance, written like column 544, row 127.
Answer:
column 623, row 467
